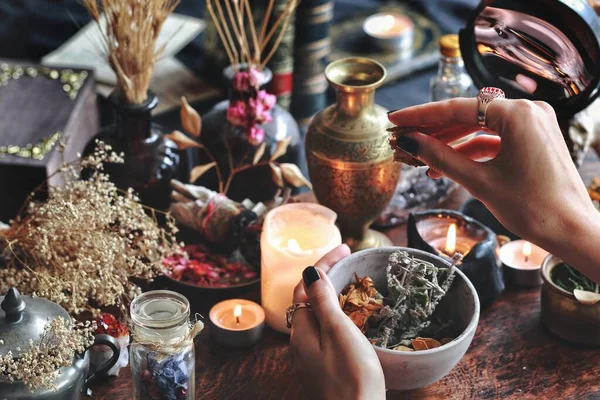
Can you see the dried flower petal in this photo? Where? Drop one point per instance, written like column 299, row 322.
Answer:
column 281, row 148
column 190, row 119
column 292, row 175
column 259, row 153
column 277, row 175
column 402, row 348
column 360, row 301
column 200, row 170
column 424, row 343
column 182, row 141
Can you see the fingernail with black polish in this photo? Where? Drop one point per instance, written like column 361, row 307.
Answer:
column 391, row 111
column 408, row 144
column 310, row 276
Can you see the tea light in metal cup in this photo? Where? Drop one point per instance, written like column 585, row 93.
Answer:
column 237, row 323
column 522, row 262
column 390, row 31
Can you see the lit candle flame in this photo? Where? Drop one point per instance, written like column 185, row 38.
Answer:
column 237, row 313
column 526, row 250
column 293, row 246
column 451, row 240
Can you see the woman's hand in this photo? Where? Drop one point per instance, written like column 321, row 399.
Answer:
column 334, row 359
column 526, row 176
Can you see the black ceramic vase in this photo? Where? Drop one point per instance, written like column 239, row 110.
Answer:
column 151, row 159
column 217, row 133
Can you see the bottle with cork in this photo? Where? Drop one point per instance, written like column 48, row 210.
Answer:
column 452, row 79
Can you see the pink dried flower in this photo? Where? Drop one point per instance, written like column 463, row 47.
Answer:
column 268, row 100
column 256, row 136
column 255, row 78
column 243, row 81
column 237, row 113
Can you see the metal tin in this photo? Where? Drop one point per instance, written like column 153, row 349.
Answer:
column 400, row 41
column 563, row 315
column 528, row 275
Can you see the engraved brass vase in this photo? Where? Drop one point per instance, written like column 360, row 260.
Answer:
column 350, row 162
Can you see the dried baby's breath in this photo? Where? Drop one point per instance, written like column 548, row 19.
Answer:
column 38, row 365
column 81, row 247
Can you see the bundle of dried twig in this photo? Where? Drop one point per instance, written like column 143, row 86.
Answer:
column 130, row 30
column 247, row 44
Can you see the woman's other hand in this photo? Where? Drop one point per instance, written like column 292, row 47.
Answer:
column 334, row 359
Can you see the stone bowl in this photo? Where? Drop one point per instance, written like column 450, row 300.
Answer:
column 414, row 370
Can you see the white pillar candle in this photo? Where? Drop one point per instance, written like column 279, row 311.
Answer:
column 294, row 236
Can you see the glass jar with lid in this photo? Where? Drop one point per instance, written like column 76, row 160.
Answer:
column 162, row 351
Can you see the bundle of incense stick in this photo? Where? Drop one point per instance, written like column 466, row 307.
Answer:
column 243, row 42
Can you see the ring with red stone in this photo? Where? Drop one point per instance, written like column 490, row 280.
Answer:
column 484, row 97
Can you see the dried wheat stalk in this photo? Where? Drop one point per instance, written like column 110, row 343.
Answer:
column 130, row 32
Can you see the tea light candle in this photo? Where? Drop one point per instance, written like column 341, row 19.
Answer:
column 237, row 323
column 522, row 261
column 390, row 30
column 294, row 237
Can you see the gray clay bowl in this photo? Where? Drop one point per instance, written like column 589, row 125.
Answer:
column 414, row 370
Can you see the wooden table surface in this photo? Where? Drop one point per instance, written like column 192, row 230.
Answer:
column 512, row 355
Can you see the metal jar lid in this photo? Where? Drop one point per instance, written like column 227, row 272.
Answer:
column 23, row 318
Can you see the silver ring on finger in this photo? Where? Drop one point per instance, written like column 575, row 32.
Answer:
column 289, row 313
column 484, row 97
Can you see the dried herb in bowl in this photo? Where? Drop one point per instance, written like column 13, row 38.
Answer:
column 402, row 320
column 569, row 279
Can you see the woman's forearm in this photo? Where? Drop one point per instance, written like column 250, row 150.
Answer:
column 578, row 243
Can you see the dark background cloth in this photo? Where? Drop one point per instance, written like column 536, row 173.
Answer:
column 29, row 29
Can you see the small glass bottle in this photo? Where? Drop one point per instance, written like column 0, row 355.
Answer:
column 452, row 79
column 162, row 353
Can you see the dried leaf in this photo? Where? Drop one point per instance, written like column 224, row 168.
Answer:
column 424, row 343
column 182, row 141
column 277, row 176
column 190, row 119
column 259, row 153
column 281, row 148
column 293, row 175
column 200, row 170
column 359, row 301
column 446, row 341
column 402, row 348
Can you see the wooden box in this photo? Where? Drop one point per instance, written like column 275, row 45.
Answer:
column 37, row 102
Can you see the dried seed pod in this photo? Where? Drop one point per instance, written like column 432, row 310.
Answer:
column 182, row 141
column 190, row 119
column 293, row 175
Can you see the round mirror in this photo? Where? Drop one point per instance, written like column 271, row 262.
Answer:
column 542, row 50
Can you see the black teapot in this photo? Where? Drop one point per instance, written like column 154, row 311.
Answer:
column 23, row 318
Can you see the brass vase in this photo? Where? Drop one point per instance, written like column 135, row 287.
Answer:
column 350, row 161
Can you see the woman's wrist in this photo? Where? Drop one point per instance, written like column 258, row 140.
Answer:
column 577, row 242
